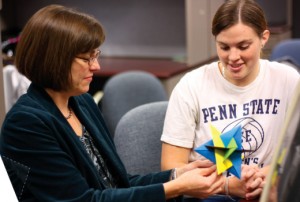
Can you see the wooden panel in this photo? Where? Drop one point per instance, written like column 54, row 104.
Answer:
column 168, row 71
column 161, row 68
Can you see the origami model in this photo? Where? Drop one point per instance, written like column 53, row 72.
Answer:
column 225, row 150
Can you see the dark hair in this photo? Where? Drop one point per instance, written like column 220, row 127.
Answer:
column 234, row 11
column 49, row 42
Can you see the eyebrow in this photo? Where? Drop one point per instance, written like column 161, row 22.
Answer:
column 239, row 43
column 95, row 52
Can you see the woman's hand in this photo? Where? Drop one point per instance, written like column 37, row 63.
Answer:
column 254, row 180
column 193, row 165
column 201, row 182
column 198, row 179
column 251, row 183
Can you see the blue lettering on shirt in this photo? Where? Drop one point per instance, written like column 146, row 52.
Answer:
column 221, row 112
column 229, row 111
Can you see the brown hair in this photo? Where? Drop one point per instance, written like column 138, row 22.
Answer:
column 49, row 42
column 234, row 11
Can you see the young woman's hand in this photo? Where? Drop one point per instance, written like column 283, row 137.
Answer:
column 254, row 180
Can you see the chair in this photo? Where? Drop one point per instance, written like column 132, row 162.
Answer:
column 287, row 51
column 127, row 90
column 137, row 137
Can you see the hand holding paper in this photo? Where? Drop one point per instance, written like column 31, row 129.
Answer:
column 225, row 150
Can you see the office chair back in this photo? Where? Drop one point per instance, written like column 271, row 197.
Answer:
column 137, row 137
column 127, row 90
column 287, row 50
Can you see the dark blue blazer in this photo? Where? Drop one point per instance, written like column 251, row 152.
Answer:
column 47, row 162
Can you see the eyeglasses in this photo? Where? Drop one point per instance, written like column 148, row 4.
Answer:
column 91, row 60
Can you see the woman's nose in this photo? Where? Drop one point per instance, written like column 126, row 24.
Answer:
column 234, row 54
column 95, row 65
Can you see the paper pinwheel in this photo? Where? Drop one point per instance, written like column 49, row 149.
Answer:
column 225, row 150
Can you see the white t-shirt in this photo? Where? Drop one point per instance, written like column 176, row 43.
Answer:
column 203, row 97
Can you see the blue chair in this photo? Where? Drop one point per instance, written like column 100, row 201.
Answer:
column 137, row 137
column 126, row 91
column 287, row 51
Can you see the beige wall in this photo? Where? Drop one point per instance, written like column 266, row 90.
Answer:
column 200, row 42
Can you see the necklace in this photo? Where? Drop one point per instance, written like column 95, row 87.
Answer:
column 223, row 71
column 70, row 113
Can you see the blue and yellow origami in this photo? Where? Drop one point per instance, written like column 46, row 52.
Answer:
column 225, row 150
